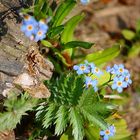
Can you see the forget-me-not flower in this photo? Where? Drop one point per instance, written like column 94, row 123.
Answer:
column 96, row 71
column 108, row 132
column 40, row 35
column 91, row 83
column 29, row 28
column 119, row 83
column 33, row 29
column 81, row 69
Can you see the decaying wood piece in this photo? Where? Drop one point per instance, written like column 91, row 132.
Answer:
column 36, row 70
column 19, row 56
column 7, row 135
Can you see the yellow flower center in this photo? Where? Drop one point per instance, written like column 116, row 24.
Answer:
column 89, row 85
column 30, row 27
column 82, row 67
column 26, row 17
column 126, row 79
column 119, row 83
column 96, row 69
column 121, row 70
column 107, row 132
column 39, row 33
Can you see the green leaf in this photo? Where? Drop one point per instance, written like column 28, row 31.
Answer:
column 102, row 79
column 101, row 57
column 67, row 34
column 104, row 109
column 77, row 124
column 49, row 115
column 16, row 108
column 94, row 118
column 55, row 31
column 122, row 133
column 61, row 120
column 74, row 44
column 135, row 50
column 62, row 11
column 138, row 26
column 38, row 8
column 92, row 132
column 46, row 43
column 128, row 34
column 87, row 104
column 77, row 89
column 70, row 26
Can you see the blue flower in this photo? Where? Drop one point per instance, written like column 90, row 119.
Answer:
column 91, row 83
column 108, row 132
column 120, row 70
column 90, row 65
column 84, row 1
column 40, row 35
column 42, row 25
column 127, row 77
column 81, row 69
column 28, row 19
column 119, row 83
column 128, row 80
column 96, row 71
column 29, row 29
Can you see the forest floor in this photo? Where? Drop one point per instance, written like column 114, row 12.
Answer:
column 104, row 22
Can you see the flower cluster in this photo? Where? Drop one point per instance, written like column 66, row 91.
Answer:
column 88, row 68
column 108, row 132
column 122, row 77
column 35, row 30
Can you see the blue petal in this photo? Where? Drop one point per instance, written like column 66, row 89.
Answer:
column 119, row 89
column 75, row 67
column 114, row 86
column 79, row 72
column 102, row 133
column 95, row 89
column 124, row 84
column 105, row 137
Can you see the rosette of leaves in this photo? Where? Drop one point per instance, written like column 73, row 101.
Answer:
column 15, row 107
column 72, row 106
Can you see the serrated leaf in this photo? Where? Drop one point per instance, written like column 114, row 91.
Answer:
column 49, row 116
column 62, row 11
column 77, row 124
column 87, row 104
column 74, row 44
column 128, row 34
column 94, row 118
column 61, row 120
column 16, row 108
column 104, row 109
column 104, row 56
column 77, row 91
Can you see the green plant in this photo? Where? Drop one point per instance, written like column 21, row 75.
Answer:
column 77, row 108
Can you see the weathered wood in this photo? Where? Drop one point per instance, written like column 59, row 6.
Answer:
column 14, row 47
